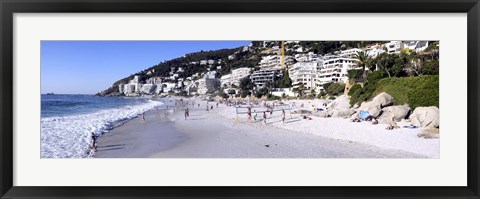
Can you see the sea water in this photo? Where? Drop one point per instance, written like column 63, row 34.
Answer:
column 67, row 121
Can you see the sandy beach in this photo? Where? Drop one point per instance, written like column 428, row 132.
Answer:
column 218, row 133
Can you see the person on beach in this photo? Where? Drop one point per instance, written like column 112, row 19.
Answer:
column 217, row 104
column 211, row 107
column 255, row 115
column 94, row 142
column 264, row 117
column 143, row 117
column 207, row 108
column 198, row 105
column 249, row 113
column 283, row 116
column 186, row 114
column 271, row 111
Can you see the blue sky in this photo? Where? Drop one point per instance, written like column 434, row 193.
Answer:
column 87, row 67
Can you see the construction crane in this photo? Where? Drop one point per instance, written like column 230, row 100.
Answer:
column 283, row 55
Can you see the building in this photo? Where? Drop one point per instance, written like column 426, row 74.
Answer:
column 264, row 75
column 416, row 46
column 394, row 46
column 336, row 69
column 207, row 85
column 304, row 73
column 275, row 61
column 211, row 74
column 121, row 88
column 238, row 74
column 350, row 52
column 226, row 80
column 307, row 57
column 374, row 50
column 235, row 76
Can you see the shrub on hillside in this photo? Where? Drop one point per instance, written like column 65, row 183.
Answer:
column 335, row 89
column 354, row 88
column 416, row 91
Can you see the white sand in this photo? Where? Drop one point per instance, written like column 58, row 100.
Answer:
column 217, row 134
column 363, row 132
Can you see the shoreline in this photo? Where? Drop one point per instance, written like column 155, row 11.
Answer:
column 218, row 134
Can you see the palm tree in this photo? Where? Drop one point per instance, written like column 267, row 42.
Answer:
column 363, row 61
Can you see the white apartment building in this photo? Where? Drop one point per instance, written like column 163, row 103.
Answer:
column 275, row 61
column 210, row 74
column 416, row 46
column 350, row 52
column 235, row 76
column 264, row 75
column 226, row 80
column 394, row 46
column 307, row 57
column 238, row 74
column 207, row 85
column 168, row 87
column 374, row 50
column 304, row 73
column 336, row 70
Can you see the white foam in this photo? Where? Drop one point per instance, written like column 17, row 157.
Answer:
column 70, row 136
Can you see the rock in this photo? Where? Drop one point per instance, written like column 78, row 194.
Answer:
column 428, row 117
column 383, row 99
column 394, row 113
column 430, row 133
column 375, row 106
column 341, row 102
column 342, row 112
column 372, row 107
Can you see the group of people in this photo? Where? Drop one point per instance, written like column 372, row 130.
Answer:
column 249, row 113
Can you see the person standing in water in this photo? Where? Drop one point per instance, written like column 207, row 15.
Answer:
column 283, row 116
column 249, row 113
column 143, row 117
column 186, row 114
column 94, row 142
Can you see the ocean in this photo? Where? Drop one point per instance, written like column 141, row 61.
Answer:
column 67, row 121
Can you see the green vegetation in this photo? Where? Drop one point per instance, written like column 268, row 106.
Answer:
column 334, row 88
column 354, row 89
column 285, row 82
column 416, row 91
column 246, row 85
column 354, row 74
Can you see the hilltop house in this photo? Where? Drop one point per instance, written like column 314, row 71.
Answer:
column 394, row 46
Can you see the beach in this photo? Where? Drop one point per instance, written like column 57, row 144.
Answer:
column 219, row 133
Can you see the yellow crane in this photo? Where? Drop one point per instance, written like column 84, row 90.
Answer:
column 283, row 55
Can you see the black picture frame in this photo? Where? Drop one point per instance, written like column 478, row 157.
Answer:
column 10, row 7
